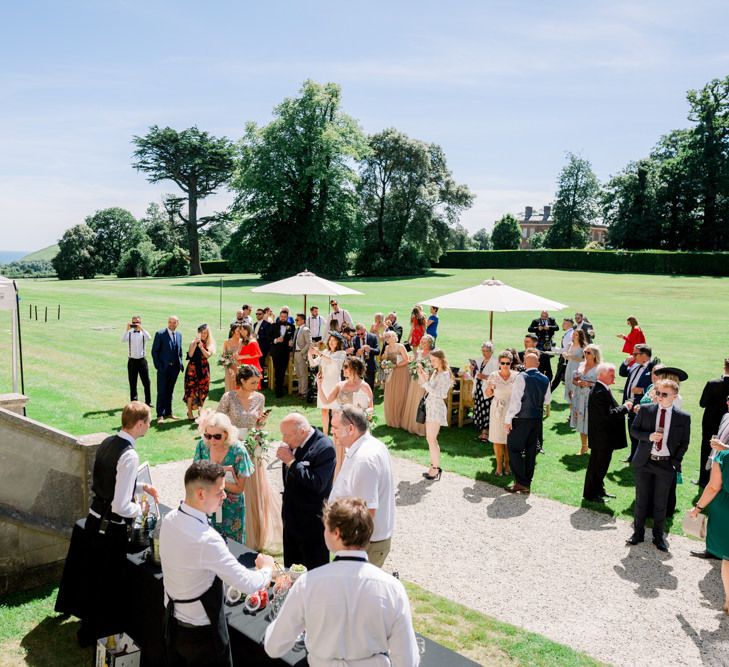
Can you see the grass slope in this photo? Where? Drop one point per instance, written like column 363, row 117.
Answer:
column 43, row 254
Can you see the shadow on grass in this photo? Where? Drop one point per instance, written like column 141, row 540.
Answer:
column 622, row 477
column 575, row 462
column 53, row 642
column 106, row 413
column 215, row 282
column 561, row 428
column 559, row 407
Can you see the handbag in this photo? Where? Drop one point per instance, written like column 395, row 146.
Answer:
column 696, row 527
column 420, row 414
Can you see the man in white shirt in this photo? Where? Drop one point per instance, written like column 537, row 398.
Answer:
column 243, row 316
column 341, row 316
column 317, row 325
column 366, row 473
column 136, row 338
column 195, row 564
column 569, row 331
column 353, row 612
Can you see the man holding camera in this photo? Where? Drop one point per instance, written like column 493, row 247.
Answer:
column 136, row 338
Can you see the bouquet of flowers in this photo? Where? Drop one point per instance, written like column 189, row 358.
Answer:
column 257, row 443
column 386, row 368
column 227, row 359
column 419, row 363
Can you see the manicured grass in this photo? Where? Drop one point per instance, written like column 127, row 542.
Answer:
column 31, row 633
column 76, row 367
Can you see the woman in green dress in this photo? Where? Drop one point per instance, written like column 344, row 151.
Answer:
column 715, row 500
column 220, row 444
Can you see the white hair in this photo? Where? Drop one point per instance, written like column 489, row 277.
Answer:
column 604, row 368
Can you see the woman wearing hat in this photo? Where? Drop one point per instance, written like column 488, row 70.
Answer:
column 330, row 362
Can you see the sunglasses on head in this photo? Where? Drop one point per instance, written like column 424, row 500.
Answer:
column 663, row 394
column 213, row 436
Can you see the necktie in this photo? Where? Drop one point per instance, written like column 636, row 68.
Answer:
column 661, row 425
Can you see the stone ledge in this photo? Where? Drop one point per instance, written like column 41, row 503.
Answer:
column 31, row 426
column 28, row 520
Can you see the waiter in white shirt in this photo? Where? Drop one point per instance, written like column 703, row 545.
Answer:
column 366, row 473
column 316, row 324
column 569, row 331
column 96, row 560
column 353, row 612
column 136, row 338
column 195, row 563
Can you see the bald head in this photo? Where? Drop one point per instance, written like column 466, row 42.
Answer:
column 294, row 429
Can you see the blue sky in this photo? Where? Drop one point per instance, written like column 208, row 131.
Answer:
column 506, row 88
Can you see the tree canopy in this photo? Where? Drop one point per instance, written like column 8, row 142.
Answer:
column 506, row 234
column 75, row 257
column 114, row 230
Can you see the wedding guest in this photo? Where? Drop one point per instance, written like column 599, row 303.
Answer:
column 300, row 344
column 568, row 329
column 261, row 331
column 268, row 315
column 715, row 499
column 481, row 402
column 396, row 386
column 333, row 328
column 289, row 319
column 229, row 356
column 575, row 356
column 545, row 363
column 366, row 473
column 417, row 327
column 415, row 391
column 391, row 324
column 378, row 328
column 367, row 348
column 432, row 323
column 663, row 433
column 637, row 369
column 605, row 432
column 340, row 315
column 197, row 373
column 498, row 388
column 250, row 352
column 529, row 395
column 320, row 604
column 581, row 322
column 308, row 471
column 329, row 361
column 281, row 334
column 97, row 556
column 316, row 324
column 167, row 359
column 244, row 405
column 220, row 444
column 437, row 385
column 713, row 400
column 635, row 336
column 544, row 327
column 243, row 316
column 583, row 381
column 136, row 338
column 196, row 563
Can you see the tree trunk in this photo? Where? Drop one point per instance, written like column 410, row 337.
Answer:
column 193, row 239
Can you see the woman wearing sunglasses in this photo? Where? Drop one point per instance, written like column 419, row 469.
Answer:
column 583, row 381
column 219, row 444
column 498, row 387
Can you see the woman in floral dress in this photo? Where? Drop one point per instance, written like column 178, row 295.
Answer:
column 197, row 373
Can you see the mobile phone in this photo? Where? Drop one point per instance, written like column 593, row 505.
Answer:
column 267, row 412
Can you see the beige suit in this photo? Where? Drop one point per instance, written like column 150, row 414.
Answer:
column 301, row 342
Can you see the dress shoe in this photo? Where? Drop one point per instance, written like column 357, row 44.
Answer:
column 634, row 539
column 661, row 543
column 599, row 499
column 608, row 495
column 518, row 488
column 160, row 420
column 704, row 554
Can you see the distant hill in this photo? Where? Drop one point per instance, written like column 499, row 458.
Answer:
column 46, row 253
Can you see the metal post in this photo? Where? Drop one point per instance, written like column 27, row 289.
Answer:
column 59, row 311
column 220, row 317
column 20, row 341
column 46, row 320
column 36, row 313
column 491, row 326
column 30, row 311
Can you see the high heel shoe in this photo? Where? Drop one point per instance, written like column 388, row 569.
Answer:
column 437, row 475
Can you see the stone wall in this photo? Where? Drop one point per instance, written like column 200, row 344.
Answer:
column 45, row 477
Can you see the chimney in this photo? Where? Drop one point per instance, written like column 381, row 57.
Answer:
column 528, row 212
column 547, row 213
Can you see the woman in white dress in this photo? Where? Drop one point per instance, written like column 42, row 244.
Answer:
column 498, row 387
column 575, row 355
column 330, row 361
column 437, row 385
column 353, row 390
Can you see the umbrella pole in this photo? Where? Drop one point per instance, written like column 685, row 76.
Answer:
column 304, row 305
column 491, row 326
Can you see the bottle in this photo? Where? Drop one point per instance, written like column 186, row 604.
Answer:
column 110, row 651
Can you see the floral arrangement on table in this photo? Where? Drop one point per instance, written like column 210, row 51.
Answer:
column 257, row 443
column 227, row 359
column 386, row 368
column 419, row 363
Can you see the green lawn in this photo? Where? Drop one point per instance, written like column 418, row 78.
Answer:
column 76, row 367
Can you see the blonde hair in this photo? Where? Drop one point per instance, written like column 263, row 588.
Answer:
column 134, row 412
column 596, row 352
column 440, row 355
column 221, row 421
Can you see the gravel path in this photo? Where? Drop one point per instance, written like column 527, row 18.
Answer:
column 561, row 571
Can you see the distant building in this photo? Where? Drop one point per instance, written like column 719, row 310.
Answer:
column 531, row 223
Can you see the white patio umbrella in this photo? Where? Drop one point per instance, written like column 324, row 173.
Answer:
column 9, row 301
column 305, row 283
column 494, row 296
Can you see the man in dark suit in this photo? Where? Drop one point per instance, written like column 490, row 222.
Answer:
column 637, row 368
column 167, row 358
column 545, row 363
column 663, row 432
column 713, row 400
column 366, row 347
column 581, row 322
column 308, row 472
column 392, row 325
column 605, row 432
column 568, row 329
column 544, row 327
column 280, row 336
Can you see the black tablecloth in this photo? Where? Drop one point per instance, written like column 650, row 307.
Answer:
column 143, row 584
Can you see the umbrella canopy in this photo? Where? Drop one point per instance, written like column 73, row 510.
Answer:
column 9, row 301
column 494, row 296
column 304, row 283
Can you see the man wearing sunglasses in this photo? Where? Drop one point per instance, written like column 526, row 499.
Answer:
column 663, row 433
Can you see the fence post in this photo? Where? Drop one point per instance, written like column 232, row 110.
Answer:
column 36, row 313
column 30, row 311
column 59, row 311
column 46, row 320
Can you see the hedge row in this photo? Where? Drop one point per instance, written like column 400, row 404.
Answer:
column 616, row 261
column 216, row 266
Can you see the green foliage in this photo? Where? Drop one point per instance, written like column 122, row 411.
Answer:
column 161, row 229
column 576, row 205
column 75, row 258
column 173, row 263
column 506, row 234
column 216, row 266
column 536, row 241
column 209, row 250
column 24, row 268
column 44, row 254
column 481, row 240
column 137, row 261
column 408, row 202
column 458, row 238
column 654, row 262
column 296, row 201
column 197, row 162
column 115, row 230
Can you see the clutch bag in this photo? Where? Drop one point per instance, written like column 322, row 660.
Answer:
column 696, row 527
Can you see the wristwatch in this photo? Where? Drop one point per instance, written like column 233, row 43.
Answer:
column 698, row 507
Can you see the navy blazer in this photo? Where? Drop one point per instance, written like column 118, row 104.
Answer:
column 679, row 435
column 644, row 381
column 165, row 352
column 374, row 343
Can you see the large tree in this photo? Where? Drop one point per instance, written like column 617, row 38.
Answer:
column 506, row 234
column 197, row 162
column 75, row 257
column 575, row 206
column 409, row 200
column 296, row 200
column 481, row 239
column 115, row 230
